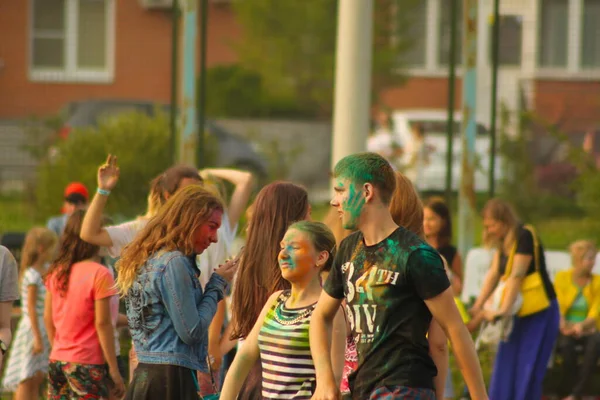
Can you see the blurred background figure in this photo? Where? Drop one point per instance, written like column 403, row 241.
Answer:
column 578, row 294
column 382, row 139
column 76, row 198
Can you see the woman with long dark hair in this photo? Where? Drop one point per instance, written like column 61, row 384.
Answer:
column 77, row 314
column 437, row 227
column 276, row 207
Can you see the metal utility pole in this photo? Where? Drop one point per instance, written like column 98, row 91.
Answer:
column 352, row 78
column 202, row 85
column 174, row 76
column 466, row 196
column 187, row 115
column 494, row 102
column 451, row 90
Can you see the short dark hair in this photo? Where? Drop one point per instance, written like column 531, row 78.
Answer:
column 77, row 199
column 370, row 168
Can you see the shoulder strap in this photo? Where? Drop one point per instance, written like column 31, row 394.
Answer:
column 513, row 252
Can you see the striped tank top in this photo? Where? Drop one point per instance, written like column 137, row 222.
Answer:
column 288, row 371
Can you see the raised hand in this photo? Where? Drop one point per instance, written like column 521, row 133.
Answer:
column 108, row 173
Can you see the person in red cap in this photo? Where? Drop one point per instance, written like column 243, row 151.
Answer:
column 76, row 198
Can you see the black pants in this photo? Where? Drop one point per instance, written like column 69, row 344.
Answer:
column 575, row 379
column 162, row 382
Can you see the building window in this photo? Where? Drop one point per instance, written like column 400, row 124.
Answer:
column 553, row 33
column 590, row 49
column 415, row 54
column 444, row 33
column 72, row 40
column 510, row 40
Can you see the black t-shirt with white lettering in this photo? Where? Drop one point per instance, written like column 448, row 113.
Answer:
column 385, row 286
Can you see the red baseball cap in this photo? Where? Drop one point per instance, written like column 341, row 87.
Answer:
column 77, row 188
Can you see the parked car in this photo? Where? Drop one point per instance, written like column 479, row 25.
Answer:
column 434, row 125
column 234, row 151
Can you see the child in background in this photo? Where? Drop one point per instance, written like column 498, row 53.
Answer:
column 280, row 336
column 27, row 364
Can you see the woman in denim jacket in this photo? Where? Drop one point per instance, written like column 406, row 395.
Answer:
column 168, row 312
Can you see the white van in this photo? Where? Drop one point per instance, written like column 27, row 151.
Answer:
column 434, row 125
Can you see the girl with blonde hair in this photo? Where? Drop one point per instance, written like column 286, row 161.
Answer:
column 168, row 311
column 519, row 261
column 28, row 361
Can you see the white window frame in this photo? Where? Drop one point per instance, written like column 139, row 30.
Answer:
column 70, row 72
column 432, row 66
column 573, row 69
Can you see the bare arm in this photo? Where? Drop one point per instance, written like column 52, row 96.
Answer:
column 246, row 357
column 338, row 346
column 32, row 292
column 122, row 321
column 457, row 274
column 438, row 347
column 5, row 332
column 513, row 283
column 489, row 284
column 106, row 336
column 226, row 343
column 321, row 326
column 243, row 182
column 48, row 321
column 91, row 228
column 444, row 311
column 104, row 327
column 214, row 335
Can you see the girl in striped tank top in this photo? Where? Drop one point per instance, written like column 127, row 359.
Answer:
column 280, row 336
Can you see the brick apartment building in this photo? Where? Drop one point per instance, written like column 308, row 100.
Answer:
column 550, row 54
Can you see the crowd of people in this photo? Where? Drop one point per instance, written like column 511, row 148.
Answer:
column 363, row 305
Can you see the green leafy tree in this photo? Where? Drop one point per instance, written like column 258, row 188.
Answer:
column 138, row 141
column 291, row 45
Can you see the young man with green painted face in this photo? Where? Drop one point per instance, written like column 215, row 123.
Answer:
column 393, row 284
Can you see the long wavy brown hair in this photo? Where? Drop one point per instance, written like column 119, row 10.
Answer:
column 71, row 251
column 406, row 206
column 276, row 207
column 172, row 228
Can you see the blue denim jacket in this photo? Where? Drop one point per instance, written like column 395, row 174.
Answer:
column 168, row 313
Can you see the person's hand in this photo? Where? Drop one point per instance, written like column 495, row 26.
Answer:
column 475, row 310
column 215, row 358
column 327, row 391
column 492, row 315
column 227, row 271
column 578, row 330
column 119, row 386
column 38, row 346
column 108, row 173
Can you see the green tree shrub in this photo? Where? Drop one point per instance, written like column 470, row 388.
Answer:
column 141, row 144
